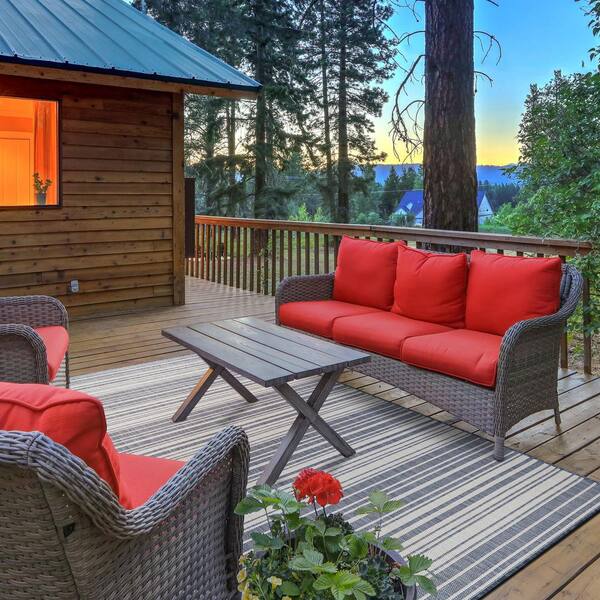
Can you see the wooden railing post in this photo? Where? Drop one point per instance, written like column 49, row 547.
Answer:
column 587, row 338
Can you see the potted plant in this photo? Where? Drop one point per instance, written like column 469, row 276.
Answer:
column 322, row 557
column 41, row 188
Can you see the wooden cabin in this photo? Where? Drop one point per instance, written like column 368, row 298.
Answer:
column 91, row 152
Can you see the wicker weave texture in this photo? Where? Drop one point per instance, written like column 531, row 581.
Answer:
column 65, row 536
column 527, row 365
column 22, row 351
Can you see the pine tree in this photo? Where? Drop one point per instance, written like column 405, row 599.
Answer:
column 391, row 194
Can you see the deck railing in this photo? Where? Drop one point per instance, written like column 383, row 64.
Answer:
column 255, row 254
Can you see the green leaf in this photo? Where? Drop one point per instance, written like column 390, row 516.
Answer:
column 299, row 563
column 378, row 499
column 426, row 584
column 392, row 505
column 332, row 531
column 358, row 546
column 313, row 556
column 248, row 505
column 389, row 543
column 364, row 587
column 289, row 588
column 262, row 541
column 323, row 582
column 366, row 510
column 418, row 563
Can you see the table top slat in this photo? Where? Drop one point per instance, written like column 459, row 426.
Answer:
column 299, row 367
column 342, row 353
column 259, row 371
column 280, row 345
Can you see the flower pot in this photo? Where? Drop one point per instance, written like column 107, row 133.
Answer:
column 40, row 198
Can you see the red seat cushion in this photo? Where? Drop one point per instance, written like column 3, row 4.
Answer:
column 318, row 316
column 365, row 273
column 381, row 332
column 470, row 355
column 70, row 418
column 431, row 287
column 144, row 475
column 56, row 340
column 503, row 290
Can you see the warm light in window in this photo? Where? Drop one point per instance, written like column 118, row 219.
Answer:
column 28, row 152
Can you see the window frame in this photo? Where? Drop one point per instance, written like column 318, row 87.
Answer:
column 59, row 156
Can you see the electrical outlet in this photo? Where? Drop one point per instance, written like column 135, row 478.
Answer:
column 74, row 286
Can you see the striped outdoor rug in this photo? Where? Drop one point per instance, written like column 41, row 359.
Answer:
column 479, row 520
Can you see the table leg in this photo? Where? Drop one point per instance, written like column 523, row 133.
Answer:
column 194, row 396
column 307, row 415
column 237, row 386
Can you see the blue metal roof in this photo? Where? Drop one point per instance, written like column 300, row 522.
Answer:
column 412, row 201
column 107, row 36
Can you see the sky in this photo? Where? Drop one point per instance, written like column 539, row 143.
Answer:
column 537, row 38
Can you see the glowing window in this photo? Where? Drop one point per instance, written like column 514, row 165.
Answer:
column 28, row 152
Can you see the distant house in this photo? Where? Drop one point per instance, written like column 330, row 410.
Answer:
column 412, row 202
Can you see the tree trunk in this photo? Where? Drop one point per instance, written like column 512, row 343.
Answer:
column 329, row 182
column 260, row 157
column 343, row 201
column 449, row 155
column 231, row 155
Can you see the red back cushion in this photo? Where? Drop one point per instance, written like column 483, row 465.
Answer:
column 366, row 272
column 505, row 289
column 70, row 418
column 431, row 287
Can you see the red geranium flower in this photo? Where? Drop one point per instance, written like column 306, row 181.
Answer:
column 300, row 485
column 319, row 486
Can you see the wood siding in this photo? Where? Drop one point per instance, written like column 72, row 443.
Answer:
column 121, row 162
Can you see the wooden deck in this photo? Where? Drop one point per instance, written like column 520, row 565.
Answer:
column 568, row 571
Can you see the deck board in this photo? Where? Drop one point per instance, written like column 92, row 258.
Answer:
column 570, row 570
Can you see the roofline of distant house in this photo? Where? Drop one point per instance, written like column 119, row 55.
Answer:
column 123, row 78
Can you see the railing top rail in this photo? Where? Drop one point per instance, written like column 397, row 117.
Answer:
column 501, row 241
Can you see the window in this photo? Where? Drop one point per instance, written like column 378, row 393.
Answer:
column 28, row 152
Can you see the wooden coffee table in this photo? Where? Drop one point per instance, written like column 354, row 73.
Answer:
column 271, row 356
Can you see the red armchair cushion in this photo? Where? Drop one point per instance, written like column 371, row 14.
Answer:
column 381, row 332
column 318, row 316
column 470, row 355
column 365, row 273
column 503, row 290
column 431, row 287
column 56, row 340
column 70, row 418
column 142, row 476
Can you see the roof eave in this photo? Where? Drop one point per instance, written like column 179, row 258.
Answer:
column 95, row 76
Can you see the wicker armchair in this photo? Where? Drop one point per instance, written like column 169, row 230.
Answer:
column 22, row 352
column 65, row 536
column 527, row 373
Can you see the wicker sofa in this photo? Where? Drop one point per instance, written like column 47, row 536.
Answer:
column 33, row 339
column 525, row 376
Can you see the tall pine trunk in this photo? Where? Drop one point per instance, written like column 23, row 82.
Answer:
column 343, row 200
column 330, row 198
column 449, row 154
column 230, row 112
column 260, row 155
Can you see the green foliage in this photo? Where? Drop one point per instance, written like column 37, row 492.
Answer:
column 593, row 12
column 500, row 194
column 391, row 194
column 559, row 166
column 323, row 558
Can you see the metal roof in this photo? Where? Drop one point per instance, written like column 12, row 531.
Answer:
column 107, row 36
column 412, row 201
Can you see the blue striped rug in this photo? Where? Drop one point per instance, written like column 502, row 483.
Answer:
column 479, row 520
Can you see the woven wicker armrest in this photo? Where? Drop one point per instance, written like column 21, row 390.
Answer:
column 22, row 355
column 302, row 288
column 528, row 361
column 35, row 311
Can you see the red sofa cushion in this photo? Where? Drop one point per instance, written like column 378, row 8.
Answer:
column 503, row 290
column 381, row 332
column 366, row 272
column 470, row 355
column 70, row 418
column 318, row 316
column 431, row 287
column 144, row 475
column 56, row 340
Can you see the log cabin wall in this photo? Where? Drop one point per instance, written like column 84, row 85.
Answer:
column 119, row 229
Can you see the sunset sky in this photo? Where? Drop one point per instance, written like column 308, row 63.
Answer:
column 537, row 37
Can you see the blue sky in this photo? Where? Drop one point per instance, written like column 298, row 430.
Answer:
column 537, row 37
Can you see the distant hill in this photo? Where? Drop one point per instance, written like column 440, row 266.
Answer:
column 491, row 173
